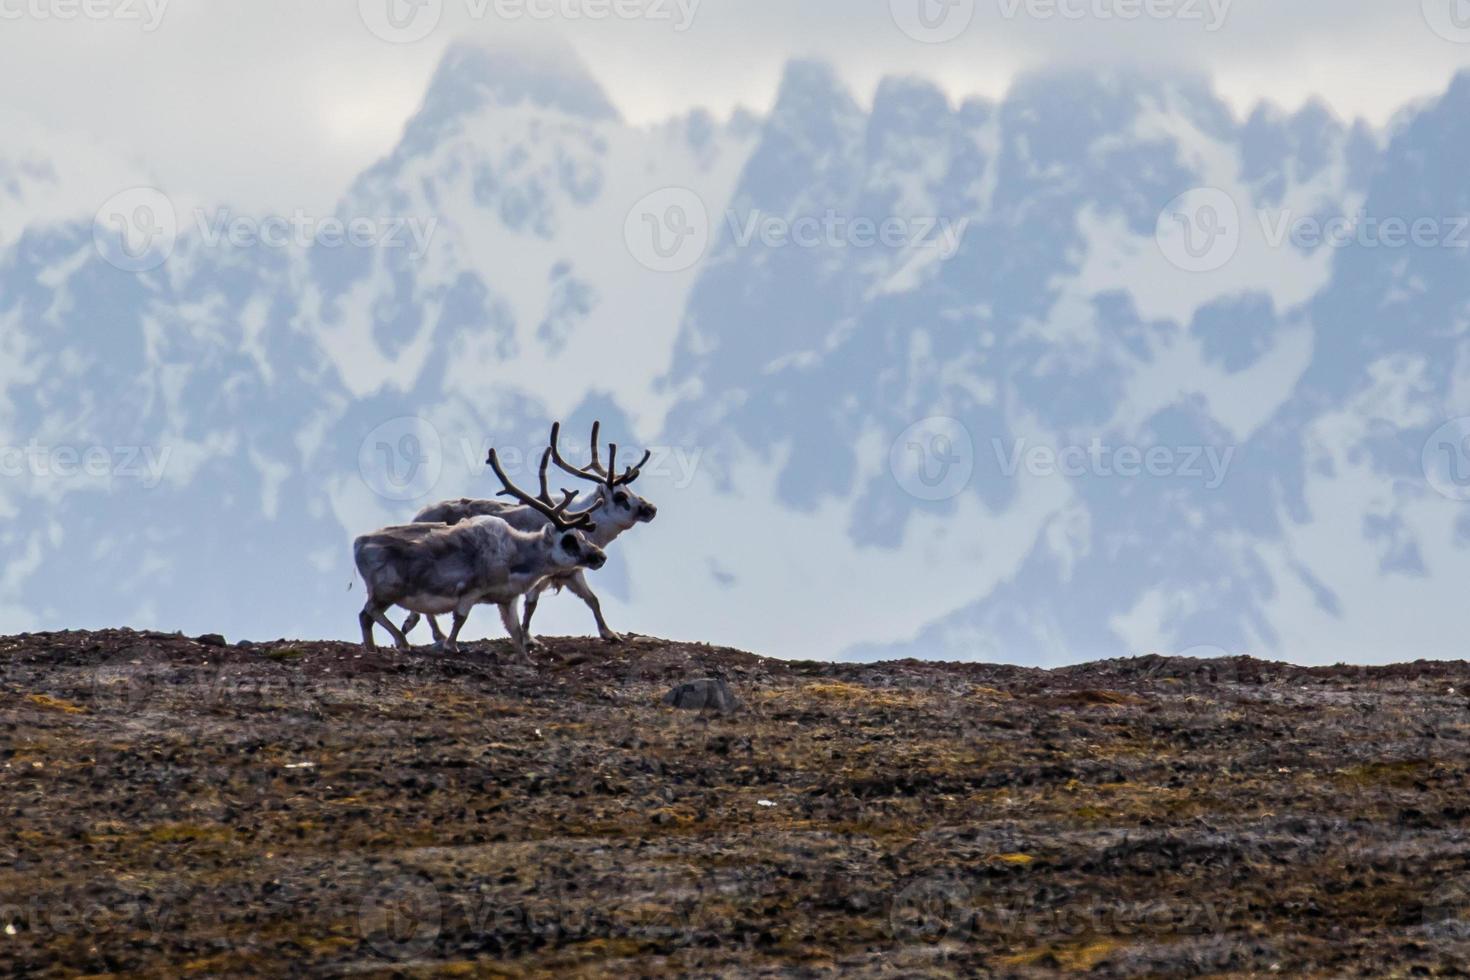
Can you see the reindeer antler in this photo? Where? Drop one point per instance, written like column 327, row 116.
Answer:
column 595, row 472
column 545, row 495
column 631, row 473
column 597, row 475
column 557, row 514
column 596, row 466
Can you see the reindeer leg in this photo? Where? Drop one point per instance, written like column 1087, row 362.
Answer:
column 442, row 642
column 517, row 632
column 532, row 598
column 451, row 643
column 578, row 584
column 413, row 620
column 365, row 619
column 380, row 616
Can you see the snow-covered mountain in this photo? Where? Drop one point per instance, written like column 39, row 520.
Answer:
column 815, row 316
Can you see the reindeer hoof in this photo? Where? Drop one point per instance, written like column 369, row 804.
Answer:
column 612, row 637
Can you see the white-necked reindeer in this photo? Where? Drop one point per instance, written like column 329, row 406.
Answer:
column 613, row 507
column 438, row 568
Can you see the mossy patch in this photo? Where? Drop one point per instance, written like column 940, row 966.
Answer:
column 1079, row 957
column 1403, row 774
column 860, row 694
column 187, row 832
column 55, row 704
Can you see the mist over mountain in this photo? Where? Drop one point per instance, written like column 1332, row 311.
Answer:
column 1094, row 370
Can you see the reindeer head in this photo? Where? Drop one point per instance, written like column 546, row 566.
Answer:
column 614, row 503
column 563, row 539
column 571, row 549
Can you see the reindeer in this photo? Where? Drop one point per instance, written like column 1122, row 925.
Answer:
column 613, row 506
column 615, row 509
column 438, row 568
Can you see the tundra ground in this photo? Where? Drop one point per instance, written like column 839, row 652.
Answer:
column 170, row 806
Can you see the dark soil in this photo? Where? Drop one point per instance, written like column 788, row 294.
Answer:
column 170, row 806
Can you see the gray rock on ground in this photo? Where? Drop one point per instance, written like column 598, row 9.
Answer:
column 709, row 694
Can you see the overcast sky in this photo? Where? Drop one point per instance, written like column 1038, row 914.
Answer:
column 278, row 103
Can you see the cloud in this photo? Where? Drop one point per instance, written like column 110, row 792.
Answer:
column 277, row 104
